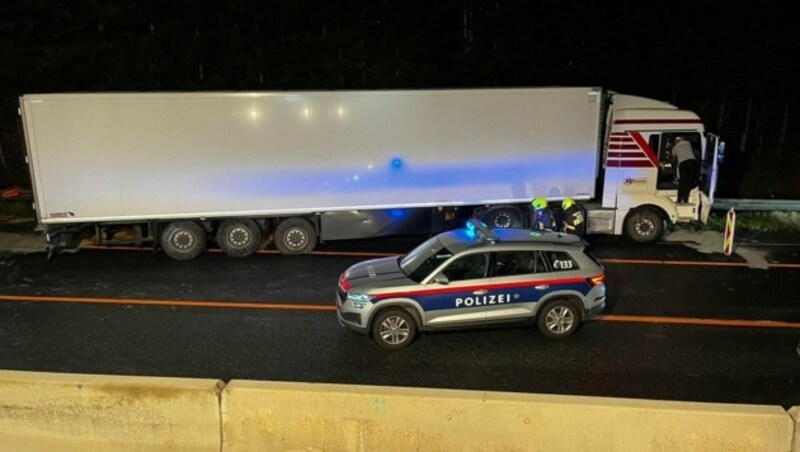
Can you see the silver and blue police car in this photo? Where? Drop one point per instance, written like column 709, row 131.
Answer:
column 472, row 277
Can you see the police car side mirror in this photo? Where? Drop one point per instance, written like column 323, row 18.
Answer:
column 441, row 278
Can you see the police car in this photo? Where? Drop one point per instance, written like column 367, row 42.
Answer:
column 470, row 277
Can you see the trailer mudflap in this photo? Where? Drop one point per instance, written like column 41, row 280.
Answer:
column 64, row 239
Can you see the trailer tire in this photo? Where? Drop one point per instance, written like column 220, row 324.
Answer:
column 645, row 226
column 295, row 236
column 239, row 238
column 183, row 240
column 502, row 218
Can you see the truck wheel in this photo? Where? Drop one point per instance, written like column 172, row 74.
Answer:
column 558, row 319
column 644, row 226
column 239, row 238
column 295, row 236
column 502, row 218
column 394, row 329
column 183, row 240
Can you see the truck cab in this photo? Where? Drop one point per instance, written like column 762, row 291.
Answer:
column 640, row 180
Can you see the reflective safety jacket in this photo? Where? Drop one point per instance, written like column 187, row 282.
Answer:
column 574, row 221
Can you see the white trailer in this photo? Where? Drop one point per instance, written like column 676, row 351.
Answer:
column 180, row 167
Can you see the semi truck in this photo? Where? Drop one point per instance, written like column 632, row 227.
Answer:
column 185, row 168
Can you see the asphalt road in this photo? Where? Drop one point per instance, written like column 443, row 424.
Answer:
column 651, row 354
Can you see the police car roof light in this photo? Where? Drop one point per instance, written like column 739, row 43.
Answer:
column 481, row 228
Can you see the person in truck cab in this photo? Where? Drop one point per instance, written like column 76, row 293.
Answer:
column 687, row 168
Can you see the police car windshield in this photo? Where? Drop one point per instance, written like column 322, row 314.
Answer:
column 421, row 261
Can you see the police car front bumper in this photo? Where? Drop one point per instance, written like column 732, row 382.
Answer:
column 349, row 317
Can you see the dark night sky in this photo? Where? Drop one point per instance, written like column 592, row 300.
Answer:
column 731, row 64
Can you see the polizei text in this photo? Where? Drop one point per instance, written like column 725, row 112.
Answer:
column 484, row 300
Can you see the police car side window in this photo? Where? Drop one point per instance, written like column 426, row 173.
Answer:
column 561, row 261
column 511, row 263
column 472, row 266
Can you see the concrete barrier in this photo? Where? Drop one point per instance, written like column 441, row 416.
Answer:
column 795, row 413
column 276, row 416
column 63, row 412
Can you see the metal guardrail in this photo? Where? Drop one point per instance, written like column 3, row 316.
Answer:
column 758, row 205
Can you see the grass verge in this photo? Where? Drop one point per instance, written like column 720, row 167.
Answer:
column 757, row 222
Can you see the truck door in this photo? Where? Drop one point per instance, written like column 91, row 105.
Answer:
column 708, row 174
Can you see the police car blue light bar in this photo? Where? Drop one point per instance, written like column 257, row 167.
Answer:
column 481, row 228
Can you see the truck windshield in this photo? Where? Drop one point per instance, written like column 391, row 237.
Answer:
column 422, row 260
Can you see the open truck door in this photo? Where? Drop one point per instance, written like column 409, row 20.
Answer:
column 709, row 167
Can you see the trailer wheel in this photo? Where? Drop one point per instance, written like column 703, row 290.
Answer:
column 295, row 236
column 645, row 226
column 239, row 238
column 183, row 240
column 502, row 218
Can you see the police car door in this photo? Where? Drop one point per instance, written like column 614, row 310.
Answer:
column 520, row 279
column 456, row 291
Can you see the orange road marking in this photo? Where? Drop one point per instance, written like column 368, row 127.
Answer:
column 379, row 254
column 779, row 265
column 691, row 263
column 337, row 253
column 120, row 248
column 697, row 321
column 316, row 307
column 180, row 303
column 666, row 262
column 217, row 250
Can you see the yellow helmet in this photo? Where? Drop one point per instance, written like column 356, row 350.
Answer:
column 539, row 203
column 567, row 203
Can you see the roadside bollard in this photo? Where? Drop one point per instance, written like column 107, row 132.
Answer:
column 730, row 225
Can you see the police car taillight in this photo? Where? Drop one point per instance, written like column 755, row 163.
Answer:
column 596, row 280
column 343, row 283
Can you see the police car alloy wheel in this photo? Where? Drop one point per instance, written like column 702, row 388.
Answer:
column 558, row 319
column 394, row 329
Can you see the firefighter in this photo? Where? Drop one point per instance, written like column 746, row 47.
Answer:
column 542, row 217
column 574, row 222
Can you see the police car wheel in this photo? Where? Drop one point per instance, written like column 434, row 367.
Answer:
column 558, row 319
column 394, row 329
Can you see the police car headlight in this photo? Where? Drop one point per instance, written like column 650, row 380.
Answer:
column 359, row 300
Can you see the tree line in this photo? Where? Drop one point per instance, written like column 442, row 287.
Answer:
column 733, row 67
